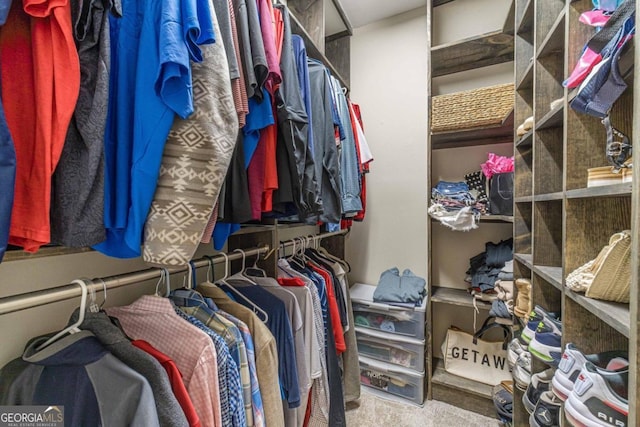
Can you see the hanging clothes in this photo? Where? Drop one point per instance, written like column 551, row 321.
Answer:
column 153, row 319
column 266, row 352
column 77, row 372
column 170, row 412
column 8, row 176
column 40, row 82
column 77, row 207
column 151, row 83
column 194, row 164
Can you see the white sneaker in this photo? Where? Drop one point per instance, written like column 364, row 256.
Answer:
column 522, row 371
column 514, row 350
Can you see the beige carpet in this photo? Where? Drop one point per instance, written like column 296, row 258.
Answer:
column 374, row 411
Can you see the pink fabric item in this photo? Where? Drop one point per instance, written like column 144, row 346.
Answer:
column 238, row 86
column 496, row 164
column 208, row 231
column 587, row 61
column 267, row 25
column 153, row 319
column 594, row 18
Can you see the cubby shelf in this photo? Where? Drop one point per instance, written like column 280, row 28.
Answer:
column 554, row 41
column 526, row 140
column 526, row 259
column 502, row 133
column 615, row 190
column 526, row 80
column 525, row 24
column 614, row 314
column 552, row 119
column 553, row 275
column 456, row 296
column 547, row 197
column 490, row 218
column 523, row 199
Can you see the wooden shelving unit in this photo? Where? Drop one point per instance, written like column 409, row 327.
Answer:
column 475, row 52
column 556, row 227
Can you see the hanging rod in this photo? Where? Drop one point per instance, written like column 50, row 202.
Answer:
column 316, row 237
column 27, row 300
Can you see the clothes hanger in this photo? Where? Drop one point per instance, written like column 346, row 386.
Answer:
column 254, row 270
column 93, row 307
column 75, row 328
column 257, row 310
column 241, row 276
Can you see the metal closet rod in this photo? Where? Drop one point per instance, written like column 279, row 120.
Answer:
column 47, row 296
column 315, row 237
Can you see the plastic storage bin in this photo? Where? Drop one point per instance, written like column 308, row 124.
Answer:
column 392, row 379
column 385, row 317
column 389, row 348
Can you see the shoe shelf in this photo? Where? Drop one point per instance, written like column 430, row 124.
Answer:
column 553, row 275
column 526, row 259
column 523, row 199
column 614, row 314
column 552, row 119
column 525, row 140
column 614, row 190
column 490, row 218
column 456, row 296
column 554, row 41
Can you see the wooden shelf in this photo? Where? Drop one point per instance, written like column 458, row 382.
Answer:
column 475, row 136
column 312, row 50
column 614, row 314
column 525, row 25
column 548, row 197
column 553, row 275
column 615, row 190
column 526, row 140
column 526, row 259
column 453, row 296
column 17, row 254
column 526, row 80
column 554, row 41
column 496, row 218
column 495, row 47
column 442, row 377
column 524, row 199
column 552, row 119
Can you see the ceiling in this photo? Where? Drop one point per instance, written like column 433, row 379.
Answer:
column 363, row 12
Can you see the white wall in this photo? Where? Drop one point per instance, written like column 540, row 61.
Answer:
column 388, row 80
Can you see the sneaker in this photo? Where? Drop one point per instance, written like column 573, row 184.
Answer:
column 503, row 401
column 599, row 398
column 546, row 412
column 537, row 315
column 514, row 350
column 547, row 347
column 572, row 362
column 540, row 383
column 522, row 371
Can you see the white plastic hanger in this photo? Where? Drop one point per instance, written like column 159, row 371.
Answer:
column 241, row 276
column 72, row 329
column 257, row 310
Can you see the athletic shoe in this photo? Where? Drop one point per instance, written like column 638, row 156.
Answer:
column 599, row 398
column 547, row 347
column 536, row 316
column 540, row 383
column 522, row 371
column 546, row 412
column 572, row 362
column 514, row 350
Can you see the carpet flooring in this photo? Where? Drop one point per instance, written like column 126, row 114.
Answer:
column 374, row 411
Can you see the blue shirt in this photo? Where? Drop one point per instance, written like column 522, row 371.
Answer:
column 300, row 54
column 231, row 401
column 150, row 82
column 280, row 326
column 7, row 177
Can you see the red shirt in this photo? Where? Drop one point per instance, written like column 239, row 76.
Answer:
column 40, row 85
column 175, row 377
column 334, row 312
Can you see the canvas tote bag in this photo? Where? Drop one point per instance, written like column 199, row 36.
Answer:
column 469, row 356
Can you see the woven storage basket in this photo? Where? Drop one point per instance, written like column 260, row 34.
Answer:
column 484, row 107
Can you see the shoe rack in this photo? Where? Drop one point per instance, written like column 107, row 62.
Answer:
column 559, row 222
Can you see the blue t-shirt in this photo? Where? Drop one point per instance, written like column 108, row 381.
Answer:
column 150, row 83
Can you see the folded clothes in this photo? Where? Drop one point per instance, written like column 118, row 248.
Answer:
column 392, row 287
column 499, row 309
column 498, row 254
column 505, row 276
column 508, row 266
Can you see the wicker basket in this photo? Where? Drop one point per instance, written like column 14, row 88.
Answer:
column 484, row 107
